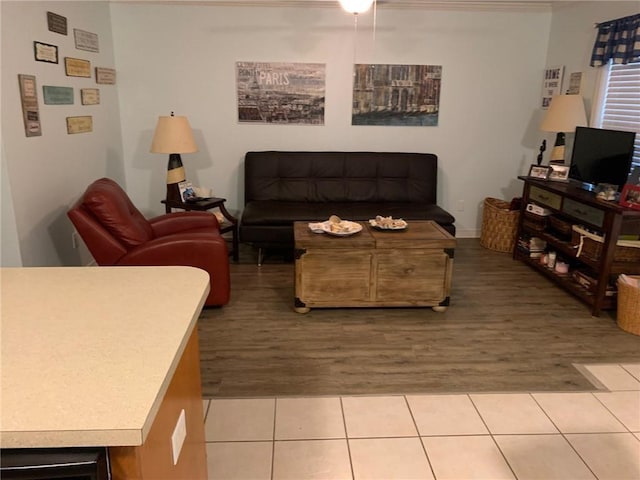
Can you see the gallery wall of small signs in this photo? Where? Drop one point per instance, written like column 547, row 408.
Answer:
column 75, row 64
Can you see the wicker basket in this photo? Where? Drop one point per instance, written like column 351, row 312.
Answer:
column 560, row 226
column 499, row 225
column 534, row 223
column 628, row 316
column 590, row 245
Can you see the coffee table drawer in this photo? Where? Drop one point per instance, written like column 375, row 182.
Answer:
column 412, row 276
column 333, row 277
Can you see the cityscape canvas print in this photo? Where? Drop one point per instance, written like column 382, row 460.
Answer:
column 281, row 93
column 399, row 95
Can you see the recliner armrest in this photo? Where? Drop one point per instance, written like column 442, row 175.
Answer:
column 171, row 223
column 205, row 250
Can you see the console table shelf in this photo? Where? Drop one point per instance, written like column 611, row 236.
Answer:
column 566, row 282
column 579, row 207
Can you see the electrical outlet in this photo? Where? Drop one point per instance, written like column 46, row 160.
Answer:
column 461, row 205
column 178, row 436
column 74, row 240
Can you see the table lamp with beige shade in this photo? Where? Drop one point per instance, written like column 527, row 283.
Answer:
column 173, row 135
column 565, row 113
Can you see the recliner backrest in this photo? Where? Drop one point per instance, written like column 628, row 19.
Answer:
column 111, row 206
column 109, row 224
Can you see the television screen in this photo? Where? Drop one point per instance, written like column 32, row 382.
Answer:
column 601, row 156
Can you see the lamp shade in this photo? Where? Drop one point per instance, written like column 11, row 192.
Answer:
column 356, row 6
column 565, row 113
column 173, row 135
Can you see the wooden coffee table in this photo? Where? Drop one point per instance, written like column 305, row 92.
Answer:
column 373, row 268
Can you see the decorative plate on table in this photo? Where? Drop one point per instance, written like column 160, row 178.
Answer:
column 388, row 223
column 342, row 228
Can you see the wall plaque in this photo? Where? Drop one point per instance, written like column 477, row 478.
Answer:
column 76, row 67
column 30, row 112
column 57, row 23
column 86, row 40
column 90, row 96
column 80, row 124
column 105, row 76
column 57, row 95
column 45, row 52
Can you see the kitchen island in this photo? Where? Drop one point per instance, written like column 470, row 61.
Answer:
column 105, row 357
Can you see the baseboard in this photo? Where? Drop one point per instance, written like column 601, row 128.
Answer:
column 469, row 233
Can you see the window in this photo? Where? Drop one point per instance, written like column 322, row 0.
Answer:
column 618, row 105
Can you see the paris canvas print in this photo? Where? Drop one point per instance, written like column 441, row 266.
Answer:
column 280, row 93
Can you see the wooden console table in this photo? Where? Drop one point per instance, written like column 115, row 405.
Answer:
column 573, row 205
column 373, row 268
column 105, row 357
column 208, row 204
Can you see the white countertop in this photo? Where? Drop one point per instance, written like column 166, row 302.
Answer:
column 87, row 353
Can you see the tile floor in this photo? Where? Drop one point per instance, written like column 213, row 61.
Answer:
column 540, row 436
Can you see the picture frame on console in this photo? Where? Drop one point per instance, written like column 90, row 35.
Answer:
column 630, row 196
column 541, row 172
column 559, row 173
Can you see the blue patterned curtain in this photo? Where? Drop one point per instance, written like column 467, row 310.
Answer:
column 618, row 40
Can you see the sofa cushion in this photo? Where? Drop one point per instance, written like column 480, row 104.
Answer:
column 340, row 177
column 271, row 212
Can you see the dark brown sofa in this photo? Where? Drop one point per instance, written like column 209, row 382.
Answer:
column 283, row 187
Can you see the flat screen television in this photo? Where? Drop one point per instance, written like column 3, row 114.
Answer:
column 601, row 156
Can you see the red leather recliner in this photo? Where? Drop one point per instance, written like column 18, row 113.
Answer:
column 116, row 233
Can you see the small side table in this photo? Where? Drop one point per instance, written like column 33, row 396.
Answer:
column 207, row 204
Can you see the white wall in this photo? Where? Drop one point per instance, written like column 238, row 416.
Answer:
column 182, row 59
column 573, row 33
column 10, row 246
column 46, row 174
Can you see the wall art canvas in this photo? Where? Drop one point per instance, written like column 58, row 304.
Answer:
column 87, row 41
column 77, row 67
column 398, row 95
column 45, row 53
column 56, row 23
column 30, row 111
column 106, row 76
column 57, row 95
column 90, row 96
column 552, row 84
column 575, row 84
column 280, row 93
column 82, row 124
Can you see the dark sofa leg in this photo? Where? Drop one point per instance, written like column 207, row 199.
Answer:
column 259, row 256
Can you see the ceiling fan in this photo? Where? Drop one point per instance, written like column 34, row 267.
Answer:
column 356, row 6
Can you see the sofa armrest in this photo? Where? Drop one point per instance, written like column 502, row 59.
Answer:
column 171, row 223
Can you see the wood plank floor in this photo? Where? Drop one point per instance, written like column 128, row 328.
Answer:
column 507, row 329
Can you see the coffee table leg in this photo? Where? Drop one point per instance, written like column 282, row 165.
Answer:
column 302, row 309
column 439, row 308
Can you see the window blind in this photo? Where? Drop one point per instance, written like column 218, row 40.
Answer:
column 621, row 105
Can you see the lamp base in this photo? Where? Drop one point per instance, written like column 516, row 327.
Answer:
column 557, row 154
column 173, row 193
column 175, row 175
